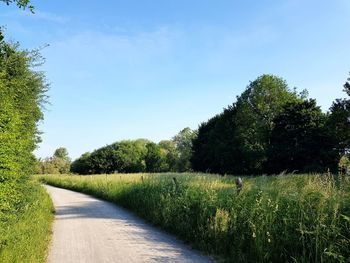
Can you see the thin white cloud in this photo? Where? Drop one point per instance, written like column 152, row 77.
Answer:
column 50, row 17
column 39, row 15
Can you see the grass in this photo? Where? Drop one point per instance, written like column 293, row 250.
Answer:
column 25, row 224
column 285, row 218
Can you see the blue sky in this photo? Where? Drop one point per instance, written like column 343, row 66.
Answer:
column 127, row 69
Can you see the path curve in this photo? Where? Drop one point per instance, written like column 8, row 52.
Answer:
column 89, row 230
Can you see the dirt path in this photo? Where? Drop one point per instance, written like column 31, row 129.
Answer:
column 90, row 230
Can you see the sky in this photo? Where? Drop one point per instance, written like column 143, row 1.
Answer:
column 127, row 69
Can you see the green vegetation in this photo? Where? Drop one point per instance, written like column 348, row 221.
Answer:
column 271, row 129
column 25, row 232
column 285, row 218
column 25, row 209
column 139, row 156
column 268, row 130
column 58, row 163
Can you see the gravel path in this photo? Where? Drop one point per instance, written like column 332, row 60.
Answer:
column 90, row 230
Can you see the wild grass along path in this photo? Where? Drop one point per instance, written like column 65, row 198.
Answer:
column 87, row 229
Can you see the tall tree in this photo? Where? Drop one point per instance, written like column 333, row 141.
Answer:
column 339, row 123
column 236, row 141
column 256, row 109
column 299, row 141
column 22, row 95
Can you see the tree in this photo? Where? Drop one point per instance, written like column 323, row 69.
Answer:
column 154, row 159
column 168, row 149
column 123, row 157
column 347, row 87
column 183, row 145
column 299, row 141
column 338, row 124
column 214, row 149
column 82, row 165
column 22, row 96
column 61, row 153
column 236, row 141
column 344, row 165
column 59, row 163
column 256, row 109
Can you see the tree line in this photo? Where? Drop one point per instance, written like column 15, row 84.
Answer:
column 269, row 129
column 141, row 155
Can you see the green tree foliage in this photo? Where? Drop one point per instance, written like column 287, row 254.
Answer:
column 82, row 165
column 168, row 150
column 22, row 94
column 344, row 165
column 299, row 141
column 270, row 129
column 236, row 141
column 256, row 109
column 61, row 153
column 154, row 159
column 139, row 156
column 215, row 149
column 59, row 163
column 123, row 157
column 347, row 87
column 23, row 4
column 183, row 146
column 339, row 123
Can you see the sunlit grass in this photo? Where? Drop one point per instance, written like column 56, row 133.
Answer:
column 25, row 235
column 286, row 218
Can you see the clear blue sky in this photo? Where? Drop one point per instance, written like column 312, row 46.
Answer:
column 125, row 69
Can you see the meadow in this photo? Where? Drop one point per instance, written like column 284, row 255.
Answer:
column 284, row 218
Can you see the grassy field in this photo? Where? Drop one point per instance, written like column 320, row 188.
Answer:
column 286, row 218
column 25, row 224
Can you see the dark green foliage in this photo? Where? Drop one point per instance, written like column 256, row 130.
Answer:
column 236, row 141
column 255, row 111
column 154, row 159
column 270, row 129
column 215, row 149
column 299, row 141
column 339, row 123
column 82, row 165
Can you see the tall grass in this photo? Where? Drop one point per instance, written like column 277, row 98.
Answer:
column 26, row 226
column 286, row 218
